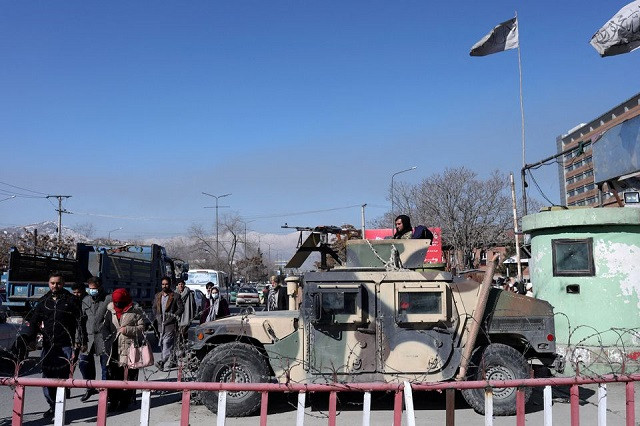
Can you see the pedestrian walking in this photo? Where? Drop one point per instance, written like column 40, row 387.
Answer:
column 214, row 306
column 168, row 308
column 189, row 313
column 123, row 326
column 57, row 317
column 94, row 306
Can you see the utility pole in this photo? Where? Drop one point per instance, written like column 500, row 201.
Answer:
column 60, row 210
column 363, row 206
column 216, row 207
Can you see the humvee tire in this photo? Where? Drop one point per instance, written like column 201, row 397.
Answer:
column 242, row 361
column 497, row 362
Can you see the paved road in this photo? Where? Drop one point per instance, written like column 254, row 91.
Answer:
column 165, row 408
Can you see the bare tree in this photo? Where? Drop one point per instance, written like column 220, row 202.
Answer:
column 472, row 212
column 231, row 227
column 7, row 240
column 87, row 229
column 46, row 245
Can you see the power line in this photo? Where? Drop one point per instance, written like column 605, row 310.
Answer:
column 540, row 189
column 273, row 216
column 23, row 189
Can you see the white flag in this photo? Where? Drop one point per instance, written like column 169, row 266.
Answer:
column 503, row 37
column 621, row 34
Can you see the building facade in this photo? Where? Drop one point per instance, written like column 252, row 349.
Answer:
column 575, row 168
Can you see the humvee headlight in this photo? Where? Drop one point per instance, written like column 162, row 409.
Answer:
column 200, row 335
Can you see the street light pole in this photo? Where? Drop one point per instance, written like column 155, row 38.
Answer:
column 114, row 230
column 392, row 194
column 217, row 235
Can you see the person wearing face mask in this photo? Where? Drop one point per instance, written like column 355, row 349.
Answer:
column 168, row 308
column 94, row 306
column 214, row 306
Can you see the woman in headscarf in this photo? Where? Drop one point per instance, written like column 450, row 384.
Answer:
column 214, row 306
column 123, row 325
column 403, row 227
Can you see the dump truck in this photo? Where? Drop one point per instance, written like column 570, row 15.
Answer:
column 382, row 316
column 137, row 268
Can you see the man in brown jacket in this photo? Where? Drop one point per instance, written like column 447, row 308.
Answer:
column 168, row 308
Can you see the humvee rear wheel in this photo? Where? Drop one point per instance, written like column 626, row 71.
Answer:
column 497, row 362
column 233, row 362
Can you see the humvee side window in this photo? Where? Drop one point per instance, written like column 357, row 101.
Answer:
column 339, row 305
column 573, row 257
column 420, row 302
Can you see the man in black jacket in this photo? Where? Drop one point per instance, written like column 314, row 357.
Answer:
column 56, row 316
column 168, row 308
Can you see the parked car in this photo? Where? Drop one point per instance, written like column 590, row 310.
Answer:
column 247, row 296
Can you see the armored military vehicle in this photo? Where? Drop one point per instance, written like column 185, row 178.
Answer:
column 382, row 317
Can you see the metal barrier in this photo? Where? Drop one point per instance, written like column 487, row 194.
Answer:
column 403, row 391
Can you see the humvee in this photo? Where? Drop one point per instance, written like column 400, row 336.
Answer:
column 382, row 317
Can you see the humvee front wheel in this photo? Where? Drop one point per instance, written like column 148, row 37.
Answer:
column 497, row 362
column 233, row 362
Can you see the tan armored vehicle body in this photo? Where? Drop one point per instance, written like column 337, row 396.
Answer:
column 382, row 317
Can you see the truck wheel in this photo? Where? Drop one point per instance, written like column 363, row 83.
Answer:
column 233, row 362
column 497, row 362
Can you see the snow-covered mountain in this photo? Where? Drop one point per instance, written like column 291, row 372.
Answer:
column 45, row 228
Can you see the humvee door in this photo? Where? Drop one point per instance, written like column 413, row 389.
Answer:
column 341, row 337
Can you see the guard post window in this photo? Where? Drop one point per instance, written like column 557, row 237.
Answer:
column 573, row 257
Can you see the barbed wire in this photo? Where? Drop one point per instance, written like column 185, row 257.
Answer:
column 589, row 352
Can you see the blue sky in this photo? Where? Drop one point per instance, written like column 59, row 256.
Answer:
column 135, row 108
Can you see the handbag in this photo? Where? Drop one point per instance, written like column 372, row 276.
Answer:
column 139, row 356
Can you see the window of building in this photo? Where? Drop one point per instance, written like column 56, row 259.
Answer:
column 573, row 257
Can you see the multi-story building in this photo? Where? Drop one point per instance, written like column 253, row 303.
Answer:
column 575, row 168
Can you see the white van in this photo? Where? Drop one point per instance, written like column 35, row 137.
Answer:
column 198, row 279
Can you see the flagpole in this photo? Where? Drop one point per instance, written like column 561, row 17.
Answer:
column 524, row 163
